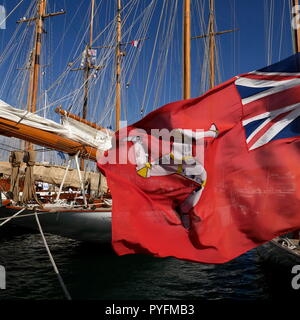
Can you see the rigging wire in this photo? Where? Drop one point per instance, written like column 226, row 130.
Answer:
column 11, row 12
column 281, row 30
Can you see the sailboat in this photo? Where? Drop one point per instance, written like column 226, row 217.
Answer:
column 84, row 218
column 79, row 137
column 71, row 214
column 76, row 136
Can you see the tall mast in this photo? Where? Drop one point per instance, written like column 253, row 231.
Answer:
column 87, row 69
column 36, row 57
column 118, row 66
column 212, row 43
column 35, row 62
column 187, row 50
column 296, row 31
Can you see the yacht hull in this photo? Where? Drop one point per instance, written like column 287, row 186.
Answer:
column 78, row 224
column 274, row 253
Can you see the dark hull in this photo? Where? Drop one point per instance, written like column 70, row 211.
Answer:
column 275, row 254
column 83, row 225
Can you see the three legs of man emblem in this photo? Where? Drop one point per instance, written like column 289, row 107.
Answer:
column 179, row 161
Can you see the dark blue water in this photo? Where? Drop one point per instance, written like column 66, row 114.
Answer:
column 96, row 272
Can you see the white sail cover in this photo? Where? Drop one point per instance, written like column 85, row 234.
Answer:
column 70, row 128
column 91, row 136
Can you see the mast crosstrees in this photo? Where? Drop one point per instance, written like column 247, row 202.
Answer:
column 212, row 42
column 35, row 59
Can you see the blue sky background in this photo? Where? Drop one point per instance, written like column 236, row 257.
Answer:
column 264, row 36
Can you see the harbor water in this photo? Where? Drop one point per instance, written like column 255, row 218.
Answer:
column 93, row 272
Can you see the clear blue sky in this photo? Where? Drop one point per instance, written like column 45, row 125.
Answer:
column 242, row 51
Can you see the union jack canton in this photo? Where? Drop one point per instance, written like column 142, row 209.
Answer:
column 271, row 102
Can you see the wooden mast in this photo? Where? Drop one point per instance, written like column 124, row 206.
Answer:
column 187, row 50
column 296, row 31
column 35, row 61
column 212, row 44
column 118, row 67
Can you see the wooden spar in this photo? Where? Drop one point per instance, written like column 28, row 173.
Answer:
column 187, row 50
column 37, row 53
column 77, row 118
column 35, row 59
column 216, row 33
column 212, row 44
column 45, row 139
column 87, row 69
column 296, row 31
column 118, row 67
column 92, row 22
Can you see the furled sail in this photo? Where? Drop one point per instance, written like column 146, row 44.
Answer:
column 78, row 132
column 67, row 137
column 53, row 174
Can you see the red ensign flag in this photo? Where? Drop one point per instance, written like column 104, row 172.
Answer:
column 227, row 180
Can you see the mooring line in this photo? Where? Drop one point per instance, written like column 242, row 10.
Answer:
column 28, row 215
column 67, row 294
column 13, row 216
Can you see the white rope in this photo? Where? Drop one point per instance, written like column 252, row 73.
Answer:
column 48, row 251
column 281, row 30
column 52, row 260
column 12, row 11
column 13, row 216
column 24, row 215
